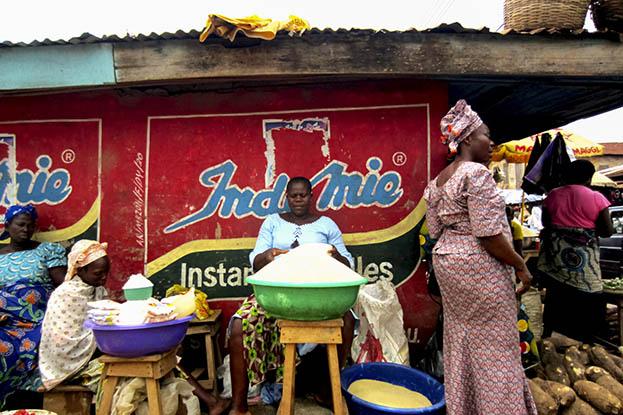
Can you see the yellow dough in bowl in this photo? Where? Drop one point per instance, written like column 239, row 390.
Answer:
column 386, row 394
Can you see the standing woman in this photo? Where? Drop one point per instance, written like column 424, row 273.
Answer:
column 574, row 216
column 29, row 271
column 476, row 266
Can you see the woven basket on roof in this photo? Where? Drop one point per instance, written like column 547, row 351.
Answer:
column 523, row 15
column 607, row 14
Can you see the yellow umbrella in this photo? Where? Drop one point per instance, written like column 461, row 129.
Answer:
column 602, row 181
column 518, row 151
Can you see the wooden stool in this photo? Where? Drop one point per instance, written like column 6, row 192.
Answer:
column 209, row 328
column 152, row 368
column 68, row 400
column 322, row 332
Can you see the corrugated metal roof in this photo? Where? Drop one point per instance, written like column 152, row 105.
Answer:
column 615, row 149
column 456, row 28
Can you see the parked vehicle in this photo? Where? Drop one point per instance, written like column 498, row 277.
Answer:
column 611, row 249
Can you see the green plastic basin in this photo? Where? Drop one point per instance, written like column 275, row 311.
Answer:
column 306, row 302
column 143, row 293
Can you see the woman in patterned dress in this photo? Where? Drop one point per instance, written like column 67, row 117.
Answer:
column 476, row 266
column 254, row 336
column 29, row 271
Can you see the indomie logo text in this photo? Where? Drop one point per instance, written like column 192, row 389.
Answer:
column 341, row 189
column 43, row 186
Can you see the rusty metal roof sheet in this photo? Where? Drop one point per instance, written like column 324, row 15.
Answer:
column 454, row 28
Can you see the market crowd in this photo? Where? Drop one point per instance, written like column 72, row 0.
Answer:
column 44, row 292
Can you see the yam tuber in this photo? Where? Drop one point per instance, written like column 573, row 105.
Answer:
column 562, row 394
column 612, row 385
column 557, row 373
column 584, row 358
column 595, row 372
column 579, row 407
column 549, row 355
column 598, row 396
column 601, row 358
column 574, row 367
column 563, row 342
column 575, row 353
column 545, row 404
column 617, row 360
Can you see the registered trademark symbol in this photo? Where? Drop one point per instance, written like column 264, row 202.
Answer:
column 68, row 156
column 399, row 158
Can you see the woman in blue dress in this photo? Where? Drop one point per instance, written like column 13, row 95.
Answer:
column 254, row 336
column 29, row 271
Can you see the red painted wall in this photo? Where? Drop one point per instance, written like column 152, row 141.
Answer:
column 129, row 149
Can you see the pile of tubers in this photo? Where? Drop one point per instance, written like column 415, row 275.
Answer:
column 577, row 379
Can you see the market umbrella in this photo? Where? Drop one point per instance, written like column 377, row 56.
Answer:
column 602, row 181
column 518, row 151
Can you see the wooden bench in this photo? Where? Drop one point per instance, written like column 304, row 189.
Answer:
column 68, row 400
column 209, row 329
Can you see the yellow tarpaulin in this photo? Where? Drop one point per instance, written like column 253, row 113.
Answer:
column 518, row 151
column 252, row 26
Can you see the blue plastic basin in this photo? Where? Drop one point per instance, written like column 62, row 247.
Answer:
column 400, row 375
column 143, row 340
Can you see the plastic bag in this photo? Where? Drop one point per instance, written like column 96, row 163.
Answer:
column 131, row 397
column 382, row 336
column 432, row 362
column 223, row 372
column 202, row 310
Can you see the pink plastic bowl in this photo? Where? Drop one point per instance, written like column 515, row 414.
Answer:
column 143, row 340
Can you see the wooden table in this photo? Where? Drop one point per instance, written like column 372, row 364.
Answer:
column 209, row 328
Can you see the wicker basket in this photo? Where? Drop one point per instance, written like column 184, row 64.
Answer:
column 607, row 14
column 524, row 15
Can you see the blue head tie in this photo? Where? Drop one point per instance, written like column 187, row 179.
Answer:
column 15, row 210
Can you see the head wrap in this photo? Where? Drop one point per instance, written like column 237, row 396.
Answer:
column 15, row 210
column 458, row 124
column 83, row 253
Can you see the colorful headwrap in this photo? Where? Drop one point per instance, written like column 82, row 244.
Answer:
column 458, row 124
column 15, row 210
column 83, row 253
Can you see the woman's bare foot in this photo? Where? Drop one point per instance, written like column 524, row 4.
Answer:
column 220, row 407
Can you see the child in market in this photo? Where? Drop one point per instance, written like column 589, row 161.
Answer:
column 67, row 347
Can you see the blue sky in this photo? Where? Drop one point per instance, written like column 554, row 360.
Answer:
column 61, row 19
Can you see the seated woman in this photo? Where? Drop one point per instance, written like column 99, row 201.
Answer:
column 254, row 336
column 67, row 346
column 29, row 271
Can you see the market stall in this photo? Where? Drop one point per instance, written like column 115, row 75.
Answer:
column 176, row 150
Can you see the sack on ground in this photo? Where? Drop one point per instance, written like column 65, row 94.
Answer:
column 381, row 335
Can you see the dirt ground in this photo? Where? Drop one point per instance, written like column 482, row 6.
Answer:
column 302, row 406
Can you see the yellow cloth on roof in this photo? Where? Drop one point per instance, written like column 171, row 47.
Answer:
column 252, row 26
